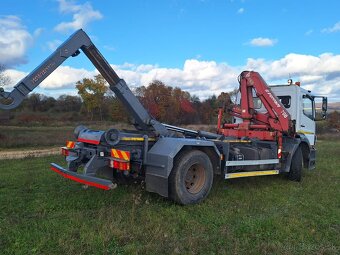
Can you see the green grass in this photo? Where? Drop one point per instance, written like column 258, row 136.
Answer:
column 24, row 137
column 42, row 213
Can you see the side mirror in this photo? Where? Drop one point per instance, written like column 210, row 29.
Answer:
column 320, row 107
column 324, row 104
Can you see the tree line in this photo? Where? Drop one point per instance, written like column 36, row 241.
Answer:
column 95, row 101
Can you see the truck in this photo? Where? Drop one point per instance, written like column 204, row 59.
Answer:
column 273, row 132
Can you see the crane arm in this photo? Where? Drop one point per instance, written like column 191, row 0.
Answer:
column 69, row 48
column 276, row 117
column 80, row 40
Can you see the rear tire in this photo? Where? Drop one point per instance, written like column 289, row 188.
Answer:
column 295, row 173
column 191, row 178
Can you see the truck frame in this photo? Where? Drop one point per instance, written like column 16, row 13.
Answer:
column 175, row 162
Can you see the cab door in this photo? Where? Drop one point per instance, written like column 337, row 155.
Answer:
column 307, row 115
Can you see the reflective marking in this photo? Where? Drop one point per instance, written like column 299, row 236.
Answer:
column 115, row 153
column 88, row 141
column 120, row 154
column 70, row 144
column 135, row 139
column 76, row 179
column 305, row 132
column 124, row 154
column 249, row 174
column 233, row 141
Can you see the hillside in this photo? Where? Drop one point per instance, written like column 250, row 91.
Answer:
column 334, row 106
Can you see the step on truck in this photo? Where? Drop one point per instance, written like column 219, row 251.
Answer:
column 273, row 133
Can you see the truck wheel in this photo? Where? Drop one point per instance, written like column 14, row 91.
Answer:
column 295, row 173
column 191, row 178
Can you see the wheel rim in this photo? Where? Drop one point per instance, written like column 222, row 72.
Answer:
column 195, row 178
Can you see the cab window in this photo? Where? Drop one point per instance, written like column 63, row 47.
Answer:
column 285, row 100
column 257, row 103
column 307, row 107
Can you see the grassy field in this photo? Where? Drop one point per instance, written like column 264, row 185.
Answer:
column 14, row 137
column 30, row 137
column 42, row 213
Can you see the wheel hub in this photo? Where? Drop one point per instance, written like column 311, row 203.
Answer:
column 195, row 178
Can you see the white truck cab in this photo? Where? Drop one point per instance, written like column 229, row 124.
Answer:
column 301, row 104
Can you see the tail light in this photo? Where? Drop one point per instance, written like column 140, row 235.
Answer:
column 64, row 151
column 69, row 145
column 120, row 165
column 279, row 153
column 120, row 160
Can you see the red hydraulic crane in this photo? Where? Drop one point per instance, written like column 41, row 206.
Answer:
column 269, row 125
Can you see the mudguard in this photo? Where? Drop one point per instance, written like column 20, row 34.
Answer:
column 290, row 145
column 160, row 160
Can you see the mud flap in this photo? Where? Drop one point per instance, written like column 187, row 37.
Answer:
column 312, row 157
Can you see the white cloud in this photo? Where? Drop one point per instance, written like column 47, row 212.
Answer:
column 205, row 78
column 14, row 76
column 66, row 77
column 309, row 32
column 82, row 15
column 109, row 48
column 38, row 32
column 240, row 11
column 53, row 45
column 62, row 78
column 262, row 42
column 14, row 41
column 333, row 29
column 145, row 68
column 320, row 73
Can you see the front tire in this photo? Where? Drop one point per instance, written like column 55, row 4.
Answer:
column 295, row 173
column 191, row 178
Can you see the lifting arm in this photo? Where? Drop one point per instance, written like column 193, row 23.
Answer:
column 80, row 40
column 276, row 118
column 269, row 125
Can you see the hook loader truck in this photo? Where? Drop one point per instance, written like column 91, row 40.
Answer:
column 273, row 133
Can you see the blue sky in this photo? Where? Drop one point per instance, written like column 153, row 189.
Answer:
column 200, row 46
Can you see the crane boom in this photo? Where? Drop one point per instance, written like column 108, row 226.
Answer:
column 277, row 117
column 80, row 40
column 267, row 126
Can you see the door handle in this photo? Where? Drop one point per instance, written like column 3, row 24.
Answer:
column 303, row 126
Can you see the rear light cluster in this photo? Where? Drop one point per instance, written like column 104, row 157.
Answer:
column 120, row 160
column 69, row 145
column 64, row 151
column 124, row 166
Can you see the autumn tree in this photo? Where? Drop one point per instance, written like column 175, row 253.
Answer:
column 185, row 111
column 157, row 99
column 114, row 109
column 333, row 120
column 33, row 102
column 67, row 103
column 207, row 110
column 224, row 101
column 167, row 104
column 92, row 92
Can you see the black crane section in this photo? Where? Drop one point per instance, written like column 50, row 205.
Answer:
column 80, row 40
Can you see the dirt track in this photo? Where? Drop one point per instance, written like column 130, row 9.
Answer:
column 17, row 154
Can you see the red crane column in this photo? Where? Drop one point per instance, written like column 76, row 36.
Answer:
column 265, row 126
